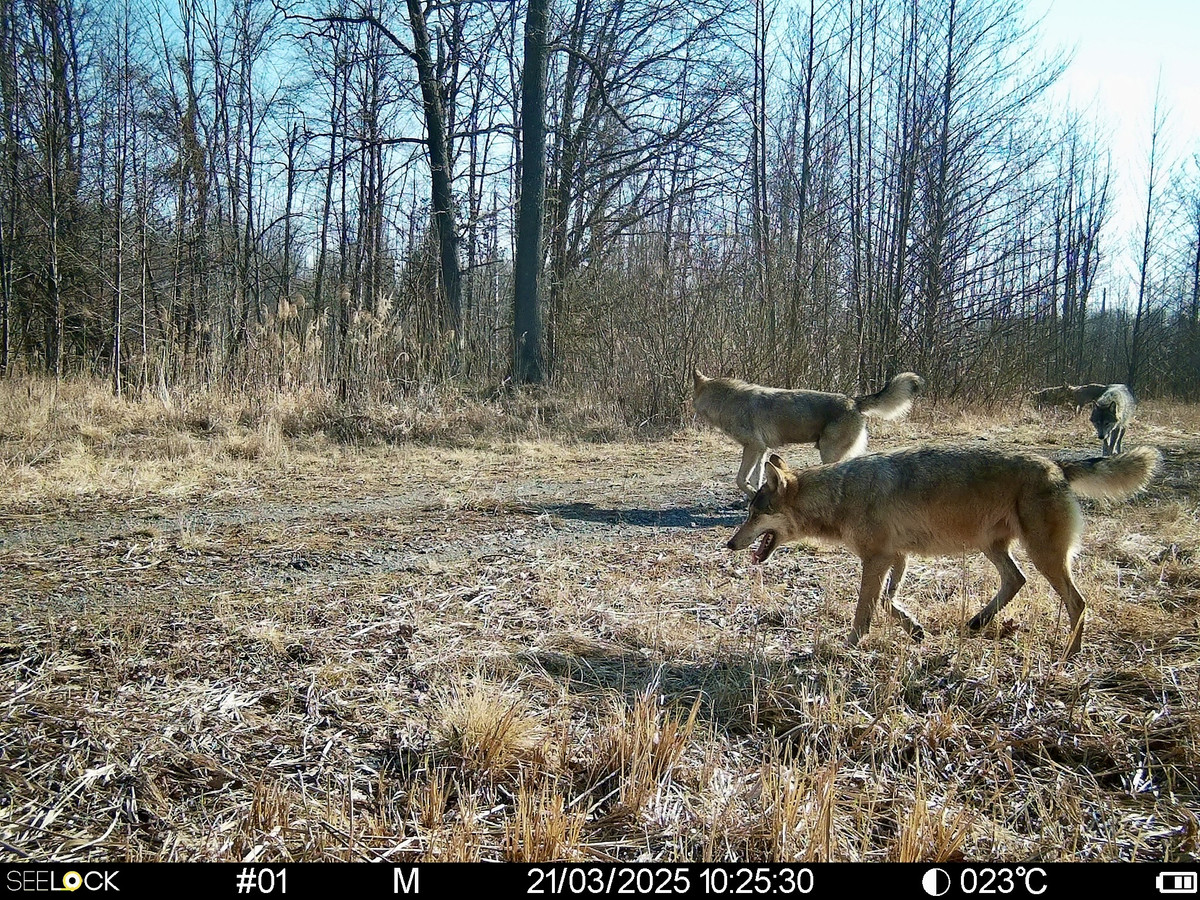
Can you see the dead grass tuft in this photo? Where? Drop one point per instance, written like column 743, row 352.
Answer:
column 930, row 832
column 488, row 731
column 638, row 748
column 542, row 827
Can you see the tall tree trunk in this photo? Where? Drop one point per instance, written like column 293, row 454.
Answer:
column 318, row 301
column 938, row 260
column 440, row 177
column 758, row 161
column 59, row 169
column 562, row 198
column 8, row 214
column 528, row 363
column 124, row 107
column 144, row 252
column 801, row 285
column 287, row 310
column 1141, row 314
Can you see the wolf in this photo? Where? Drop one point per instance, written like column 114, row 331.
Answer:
column 760, row 418
column 939, row 501
column 1078, row 395
column 1111, row 416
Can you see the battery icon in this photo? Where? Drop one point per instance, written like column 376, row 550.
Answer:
column 1176, row 882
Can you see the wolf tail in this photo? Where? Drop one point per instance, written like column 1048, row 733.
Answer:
column 894, row 400
column 1112, row 477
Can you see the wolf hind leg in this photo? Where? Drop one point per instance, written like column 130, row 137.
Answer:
column 899, row 568
column 1057, row 570
column 842, row 439
column 1050, row 541
column 1012, row 579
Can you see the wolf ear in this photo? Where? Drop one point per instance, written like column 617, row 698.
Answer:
column 772, row 474
column 698, row 379
column 777, row 461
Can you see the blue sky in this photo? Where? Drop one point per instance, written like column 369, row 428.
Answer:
column 1121, row 50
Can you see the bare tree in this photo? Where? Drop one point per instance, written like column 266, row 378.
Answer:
column 1142, row 316
column 10, row 201
column 1191, row 254
column 54, row 66
column 638, row 80
column 1081, row 211
column 441, row 177
column 528, row 363
column 883, row 185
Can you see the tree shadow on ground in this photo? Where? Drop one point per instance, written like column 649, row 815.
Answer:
column 668, row 517
column 739, row 693
column 1179, row 476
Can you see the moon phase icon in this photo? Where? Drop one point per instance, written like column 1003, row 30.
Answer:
column 936, row 882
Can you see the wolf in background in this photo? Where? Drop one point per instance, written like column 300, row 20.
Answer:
column 1077, row 395
column 939, row 501
column 765, row 418
column 1111, row 416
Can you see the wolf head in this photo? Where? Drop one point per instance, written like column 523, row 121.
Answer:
column 1104, row 418
column 701, row 401
column 768, row 518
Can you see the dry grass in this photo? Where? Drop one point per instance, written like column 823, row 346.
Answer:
column 264, row 629
column 488, row 732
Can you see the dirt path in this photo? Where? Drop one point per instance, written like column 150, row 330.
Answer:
column 485, row 505
column 418, row 512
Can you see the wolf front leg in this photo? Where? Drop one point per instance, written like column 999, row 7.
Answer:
column 750, row 474
column 875, row 568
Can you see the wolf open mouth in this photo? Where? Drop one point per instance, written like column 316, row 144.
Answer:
column 765, row 546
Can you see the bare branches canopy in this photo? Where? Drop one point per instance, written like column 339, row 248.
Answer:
column 335, row 193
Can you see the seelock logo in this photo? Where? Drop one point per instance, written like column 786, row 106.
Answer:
column 38, row 881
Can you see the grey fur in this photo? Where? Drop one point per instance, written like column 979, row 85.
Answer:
column 765, row 418
column 1077, row 395
column 1111, row 416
